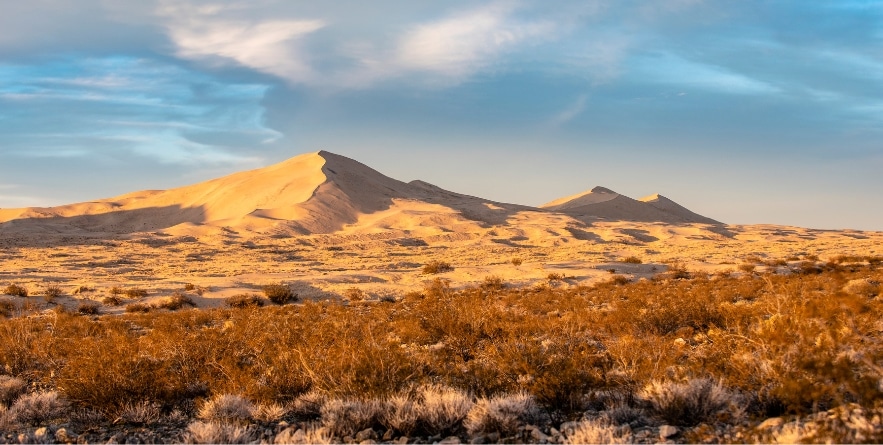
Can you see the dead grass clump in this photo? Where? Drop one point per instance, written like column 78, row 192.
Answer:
column 747, row 267
column 243, row 301
column 354, row 294
column 279, row 293
column 214, row 432
column 10, row 388
column 312, row 434
column 111, row 300
column 6, row 308
column 16, row 291
column 863, row 287
column 493, row 283
column 308, row 405
column 189, row 287
column 176, row 301
column 135, row 293
column 141, row 413
column 227, row 408
column 89, row 308
column 554, row 276
column 503, row 414
column 38, row 408
column 443, row 409
column 137, row 307
column 516, row 261
column 434, row 267
column 52, row 291
column 598, row 431
column 631, row 260
column 619, row 280
column 346, row 417
column 692, row 402
column 116, row 291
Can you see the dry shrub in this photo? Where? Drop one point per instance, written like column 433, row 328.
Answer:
column 354, row 294
column 428, row 410
column 243, row 301
column 135, row 292
column 692, row 402
column 137, row 307
column 308, row 405
column 227, row 408
column 141, row 413
column 10, row 388
column 493, row 283
column 597, row 431
column 213, row 432
column 279, row 293
column 272, row 412
column 346, row 417
column 16, row 291
column 503, row 414
column 189, row 287
column 38, row 408
column 176, row 301
column 52, row 291
column 6, row 308
column 631, row 260
column 434, row 267
column 111, row 300
column 747, row 268
column 554, row 276
column 116, row 290
column 89, row 308
column 516, row 261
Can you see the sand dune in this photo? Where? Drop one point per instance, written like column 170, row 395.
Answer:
column 313, row 193
column 324, row 224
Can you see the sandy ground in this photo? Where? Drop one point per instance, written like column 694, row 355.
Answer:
column 320, row 267
column 325, row 224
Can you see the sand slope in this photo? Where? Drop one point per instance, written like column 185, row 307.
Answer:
column 604, row 204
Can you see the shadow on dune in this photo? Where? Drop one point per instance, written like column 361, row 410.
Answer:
column 84, row 229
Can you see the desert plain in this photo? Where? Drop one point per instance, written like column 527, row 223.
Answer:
column 324, row 225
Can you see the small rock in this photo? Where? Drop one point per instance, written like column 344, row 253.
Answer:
column 538, row 435
column 680, row 342
column 401, row 440
column 41, row 432
column 554, row 432
column 450, row 440
column 478, row 440
column 772, row 422
column 568, row 427
column 65, row 436
column 666, row 431
column 387, row 436
column 366, row 434
column 493, row 437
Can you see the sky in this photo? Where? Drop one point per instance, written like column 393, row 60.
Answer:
column 748, row 112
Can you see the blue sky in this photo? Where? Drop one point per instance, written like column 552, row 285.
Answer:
column 747, row 112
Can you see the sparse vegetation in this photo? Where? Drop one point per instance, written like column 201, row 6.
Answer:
column 632, row 260
column 52, row 292
column 16, row 291
column 135, row 292
column 176, row 301
column 516, row 261
column 554, row 276
column 137, row 307
column 279, row 293
column 434, row 267
column 89, row 308
column 354, row 294
column 712, row 355
column 111, row 300
column 242, row 301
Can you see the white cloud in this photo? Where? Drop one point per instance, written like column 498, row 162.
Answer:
column 674, row 70
column 459, row 46
column 269, row 46
column 568, row 114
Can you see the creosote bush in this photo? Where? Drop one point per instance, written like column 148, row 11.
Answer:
column 631, row 260
column 16, row 290
column 89, row 308
column 135, row 292
column 52, row 291
column 242, row 301
column 434, row 267
column 279, row 293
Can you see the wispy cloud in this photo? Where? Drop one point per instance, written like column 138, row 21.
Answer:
column 158, row 110
column 269, row 46
column 674, row 70
column 572, row 111
column 460, row 45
